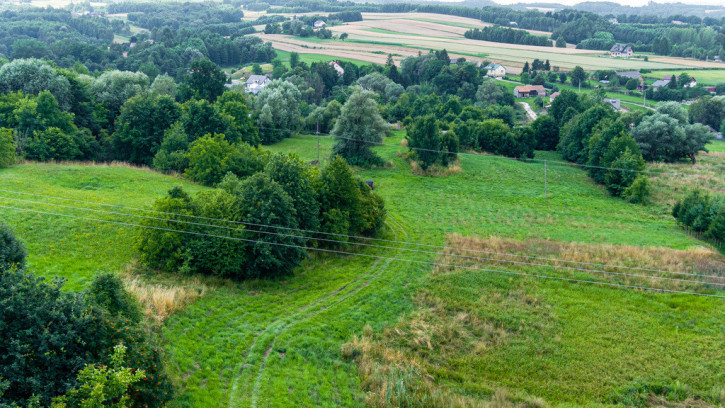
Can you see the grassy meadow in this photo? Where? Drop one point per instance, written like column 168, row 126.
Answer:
column 344, row 327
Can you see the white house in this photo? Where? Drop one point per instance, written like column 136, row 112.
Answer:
column 338, row 68
column 495, row 70
column 621, row 50
column 319, row 24
column 256, row 83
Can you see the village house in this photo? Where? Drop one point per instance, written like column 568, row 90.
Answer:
column 660, row 82
column 338, row 68
column 615, row 103
column 318, row 24
column 621, row 50
column 256, row 83
column 495, row 70
column 553, row 96
column 526, row 91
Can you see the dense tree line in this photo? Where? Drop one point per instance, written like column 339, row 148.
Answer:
column 50, row 335
column 507, row 35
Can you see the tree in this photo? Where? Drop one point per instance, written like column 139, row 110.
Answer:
column 344, row 36
column 547, row 65
column 294, row 59
column 206, row 80
column 574, row 140
column 7, row 147
column 164, row 85
column 141, row 125
column 358, row 128
column 526, row 67
column 113, row 88
column 33, row 76
column 560, row 42
column 577, row 76
column 263, row 201
column 562, row 77
column 632, row 84
column 52, row 144
column 546, row 132
column 299, row 181
column 663, row 138
column 426, row 136
column 489, row 93
column 12, row 250
column 240, row 127
column 566, row 99
column 102, row 386
column 279, row 112
column 206, row 159
column 708, row 111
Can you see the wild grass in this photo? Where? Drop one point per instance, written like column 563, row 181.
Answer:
column 474, row 333
column 161, row 300
column 706, row 174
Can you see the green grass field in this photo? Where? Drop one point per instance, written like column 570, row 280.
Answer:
column 716, row 146
column 277, row 343
column 703, row 76
column 284, row 56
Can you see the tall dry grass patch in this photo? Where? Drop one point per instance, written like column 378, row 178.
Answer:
column 706, row 174
column 656, row 267
column 161, row 300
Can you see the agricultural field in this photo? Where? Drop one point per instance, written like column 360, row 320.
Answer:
column 404, row 34
column 343, row 326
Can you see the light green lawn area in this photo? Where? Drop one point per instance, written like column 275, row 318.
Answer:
column 703, row 76
column 74, row 249
column 284, row 56
column 716, row 146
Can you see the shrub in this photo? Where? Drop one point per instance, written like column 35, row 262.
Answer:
column 12, row 250
column 52, row 144
column 7, row 148
column 619, row 178
column 639, row 191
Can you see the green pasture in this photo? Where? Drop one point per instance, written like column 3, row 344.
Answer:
column 277, row 343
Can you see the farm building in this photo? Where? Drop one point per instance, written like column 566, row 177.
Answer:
column 660, row 82
column 495, row 70
column 553, row 96
column 338, row 68
column 621, row 50
column 256, row 83
column 629, row 74
column 526, row 91
column 319, row 24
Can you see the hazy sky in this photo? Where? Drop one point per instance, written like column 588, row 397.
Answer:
column 633, row 3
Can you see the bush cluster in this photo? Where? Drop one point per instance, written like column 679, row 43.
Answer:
column 703, row 213
column 267, row 211
column 49, row 335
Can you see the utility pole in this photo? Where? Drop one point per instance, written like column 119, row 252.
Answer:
column 317, row 132
column 545, row 179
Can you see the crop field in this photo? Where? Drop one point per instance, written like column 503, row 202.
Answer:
column 404, row 34
column 283, row 342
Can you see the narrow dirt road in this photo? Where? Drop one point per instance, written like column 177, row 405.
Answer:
column 530, row 112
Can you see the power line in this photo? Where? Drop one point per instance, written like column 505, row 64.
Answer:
column 490, row 156
column 373, row 256
column 600, row 265
column 380, row 246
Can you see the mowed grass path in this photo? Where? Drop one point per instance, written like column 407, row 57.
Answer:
column 277, row 343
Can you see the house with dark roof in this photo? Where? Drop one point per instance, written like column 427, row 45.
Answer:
column 526, row 91
column 621, row 50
